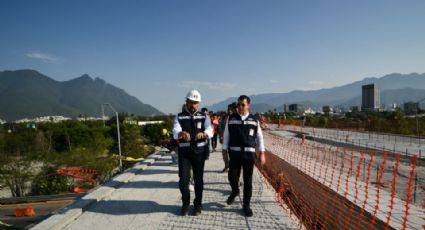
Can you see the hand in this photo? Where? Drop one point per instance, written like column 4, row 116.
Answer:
column 200, row 135
column 224, row 152
column 185, row 135
column 262, row 159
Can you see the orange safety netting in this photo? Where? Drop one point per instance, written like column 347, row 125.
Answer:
column 340, row 187
column 77, row 173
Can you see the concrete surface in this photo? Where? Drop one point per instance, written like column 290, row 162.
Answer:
column 147, row 197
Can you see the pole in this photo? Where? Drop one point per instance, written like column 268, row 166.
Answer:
column 119, row 135
column 416, row 185
column 119, row 140
column 103, row 116
column 417, row 126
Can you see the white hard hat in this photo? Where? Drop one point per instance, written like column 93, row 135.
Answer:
column 194, row 95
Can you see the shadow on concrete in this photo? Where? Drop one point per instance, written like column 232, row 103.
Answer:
column 219, row 207
column 214, row 171
column 130, row 207
column 217, row 183
column 151, row 184
column 165, row 163
column 222, row 191
column 157, row 171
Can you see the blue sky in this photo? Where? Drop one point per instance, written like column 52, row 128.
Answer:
column 158, row 50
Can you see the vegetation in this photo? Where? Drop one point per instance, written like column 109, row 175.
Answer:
column 387, row 122
column 30, row 154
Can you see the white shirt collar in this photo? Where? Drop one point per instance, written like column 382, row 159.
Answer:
column 243, row 117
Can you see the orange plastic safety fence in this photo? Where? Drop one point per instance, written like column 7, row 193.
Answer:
column 330, row 187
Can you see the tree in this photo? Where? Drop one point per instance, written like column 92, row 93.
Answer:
column 133, row 144
column 49, row 182
column 16, row 172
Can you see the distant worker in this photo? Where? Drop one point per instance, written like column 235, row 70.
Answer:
column 242, row 136
column 192, row 129
column 214, row 123
column 231, row 109
column 207, row 113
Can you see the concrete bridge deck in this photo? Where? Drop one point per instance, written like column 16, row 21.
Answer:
column 147, row 197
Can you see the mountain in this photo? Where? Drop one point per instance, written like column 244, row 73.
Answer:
column 28, row 94
column 395, row 88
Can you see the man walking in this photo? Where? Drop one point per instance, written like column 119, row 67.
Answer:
column 231, row 108
column 192, row 130
column 242, row 136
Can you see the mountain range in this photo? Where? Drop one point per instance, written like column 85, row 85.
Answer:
column 29, row 94
column 394, row 88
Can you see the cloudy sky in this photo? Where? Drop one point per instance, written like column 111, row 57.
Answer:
column 157, row 50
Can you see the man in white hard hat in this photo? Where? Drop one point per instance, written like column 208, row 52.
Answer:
column 192, row 130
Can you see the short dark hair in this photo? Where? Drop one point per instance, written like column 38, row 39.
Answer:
column 204, row 109
column 232, row 105
column 242, row 97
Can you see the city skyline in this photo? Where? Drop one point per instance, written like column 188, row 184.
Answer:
column 158, row 50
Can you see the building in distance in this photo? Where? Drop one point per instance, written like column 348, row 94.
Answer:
column 410, row 107
column 296, row 108
column 326, row 109
column 371, row 99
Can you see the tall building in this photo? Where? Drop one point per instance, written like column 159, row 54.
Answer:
column 371, row 99
column 354, row 108
column 296, row 108
column 326, row 109
column 410, row 107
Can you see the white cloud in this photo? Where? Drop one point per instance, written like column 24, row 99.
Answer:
column 273, row 81
column 42, row 57
column 207, row 84
column 315, row 82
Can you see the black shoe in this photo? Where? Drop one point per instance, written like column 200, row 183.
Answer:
column 185, row 210
column 247, row 210
column 197, row 210
column 231, row 198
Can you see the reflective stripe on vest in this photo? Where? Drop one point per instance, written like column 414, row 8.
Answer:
column 239, row 122
column 254, row 123
column 184, row 117
column 235, row 122
column 187, row 144
column 200, row 144
column 184, row 144
column 246, row 149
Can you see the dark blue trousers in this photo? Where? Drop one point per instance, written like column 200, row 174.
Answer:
column 195, row 162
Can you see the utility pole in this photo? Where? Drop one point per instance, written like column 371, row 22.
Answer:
column 103, row 116
column 119, row 135
column 417, row 121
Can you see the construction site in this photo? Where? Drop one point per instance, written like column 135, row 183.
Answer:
column 312, row 179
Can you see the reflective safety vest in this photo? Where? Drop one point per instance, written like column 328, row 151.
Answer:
column 242, row 135
column 193, row 125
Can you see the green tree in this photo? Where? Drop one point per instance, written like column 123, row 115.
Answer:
column 49, row 182
column 16, row 172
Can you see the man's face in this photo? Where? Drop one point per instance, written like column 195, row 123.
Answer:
column 192, row 106
column 243, row 106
